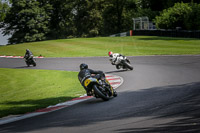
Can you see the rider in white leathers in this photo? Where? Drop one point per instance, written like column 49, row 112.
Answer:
column 114, row 57
column 119, row 60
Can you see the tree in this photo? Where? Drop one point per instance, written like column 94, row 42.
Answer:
column 61, row 18
column 192, row 20
column 26, row 21
column 88, row 18
column 184, row 15
column 4, row 8
column 95, row 10
column 154, row 5
column 118, row 16
column 160, row 5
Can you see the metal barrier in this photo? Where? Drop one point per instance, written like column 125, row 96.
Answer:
column 168, row 33
column 128, row 33
column 165, row 33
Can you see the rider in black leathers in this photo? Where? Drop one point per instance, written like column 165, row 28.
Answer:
column 85, row 73
column 28, row 55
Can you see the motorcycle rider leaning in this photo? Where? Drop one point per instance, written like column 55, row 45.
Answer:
column 28, row 55
column 85, row 73
column 114, row 56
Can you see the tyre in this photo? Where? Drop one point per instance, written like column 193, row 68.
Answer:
column 115, row 94
column 102, row 95
column 34, row 63
column 118, row 66
column 128, row 65
column 27, row 63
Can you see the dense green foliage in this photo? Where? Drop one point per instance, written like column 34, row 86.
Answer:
column 35, row 20
column 3, row 10
column 27, row 21
column 182, row 15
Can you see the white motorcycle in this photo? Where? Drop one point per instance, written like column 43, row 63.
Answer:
column 122, row 62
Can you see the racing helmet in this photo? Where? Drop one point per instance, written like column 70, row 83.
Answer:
column 83, row 66
column 110, row 53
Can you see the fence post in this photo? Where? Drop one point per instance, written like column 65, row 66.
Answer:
column 131, row 32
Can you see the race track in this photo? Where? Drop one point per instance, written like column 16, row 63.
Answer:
column 161, row 94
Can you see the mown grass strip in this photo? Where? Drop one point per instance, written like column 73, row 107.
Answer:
column 23, row 90
column 129, row 46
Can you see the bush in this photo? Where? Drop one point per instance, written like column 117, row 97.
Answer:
column 184, row 15
column 192, row 21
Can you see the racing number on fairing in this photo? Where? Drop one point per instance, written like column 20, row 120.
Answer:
column 87, row 82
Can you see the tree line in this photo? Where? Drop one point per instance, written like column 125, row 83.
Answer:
column 36, row 20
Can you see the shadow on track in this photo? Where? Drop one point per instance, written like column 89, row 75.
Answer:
column 117, row 71
column 179, row 103
column 22, row 67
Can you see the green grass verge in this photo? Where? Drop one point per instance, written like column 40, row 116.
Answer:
column 129, row 46
column 23, row 90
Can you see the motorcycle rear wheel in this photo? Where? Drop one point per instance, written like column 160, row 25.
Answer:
column 118, row 66
column 34, row 63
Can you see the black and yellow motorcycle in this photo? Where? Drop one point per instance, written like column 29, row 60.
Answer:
column 99, row 88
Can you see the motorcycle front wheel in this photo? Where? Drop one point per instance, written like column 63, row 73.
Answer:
column 27, row 64
column 102, row 95
column 128, row 65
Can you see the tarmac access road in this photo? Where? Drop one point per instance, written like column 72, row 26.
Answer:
column 161, row 94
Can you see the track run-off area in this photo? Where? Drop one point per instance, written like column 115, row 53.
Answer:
column 161, row 94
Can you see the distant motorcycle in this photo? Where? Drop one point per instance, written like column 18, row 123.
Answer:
column 122, row 62
column 30, row 61
column 99, row 88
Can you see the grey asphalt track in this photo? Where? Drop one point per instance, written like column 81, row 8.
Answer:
column 161, row 94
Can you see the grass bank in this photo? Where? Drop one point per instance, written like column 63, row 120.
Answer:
column 23, row 90
column 129, row 46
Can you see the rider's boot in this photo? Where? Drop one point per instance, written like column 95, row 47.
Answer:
column 89, row 93
column 115, row 93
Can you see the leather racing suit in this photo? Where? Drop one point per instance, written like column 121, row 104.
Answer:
column 86, row 73
column 114, row 58
column 28, row 55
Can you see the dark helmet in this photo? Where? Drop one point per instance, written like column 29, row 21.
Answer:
column 83, row 66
